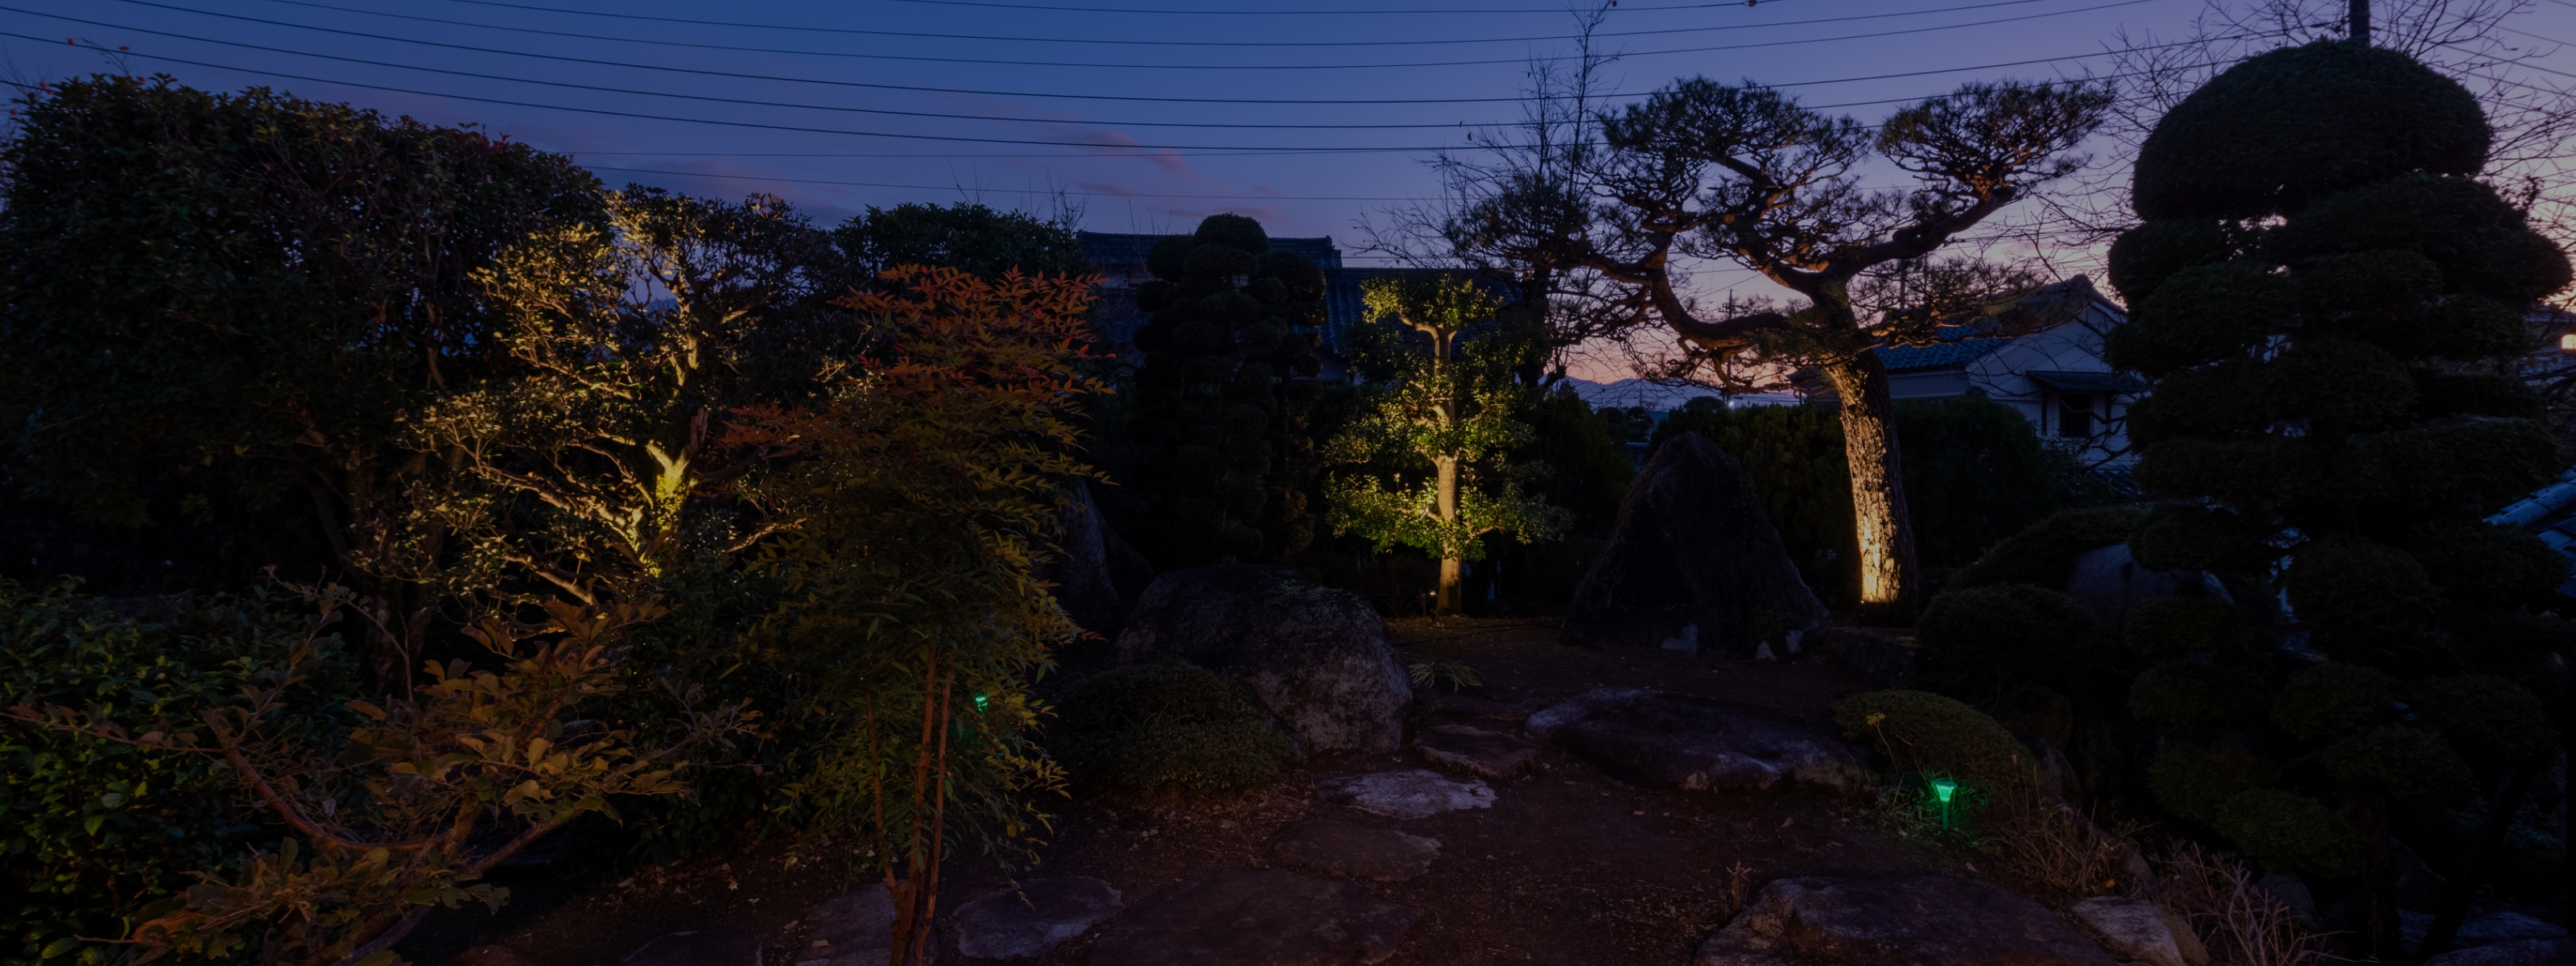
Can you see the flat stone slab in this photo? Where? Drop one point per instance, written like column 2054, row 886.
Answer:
column 1405, row 794
column 1437, row 701
column 701, row 947
column 1926, row 921
column 1661, row 739
column 854, row 929
column 1357, row 851
column 1262, row 917
column 1477, row 751
column 2517, row 952
column 2140, row 930
column 1032, row 919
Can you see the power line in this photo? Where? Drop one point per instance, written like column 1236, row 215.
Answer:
column 1202, row 43
column 1559, row 11
column 1023, row 191
column 1022, row 62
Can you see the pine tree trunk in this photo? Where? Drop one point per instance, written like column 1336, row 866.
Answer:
column 1888, row 583
column 2370, row 913
column 1452, row 566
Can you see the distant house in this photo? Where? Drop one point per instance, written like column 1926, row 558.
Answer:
column 2055, row 377
column 1120, row 258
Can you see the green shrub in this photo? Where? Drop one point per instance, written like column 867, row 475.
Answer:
column 2345, row 581
column 2195, row 781
column 2197, row 696
column 2044, row 554
column 2333, row 697
column 1983, row 640
column 97, row 830
column 2167, row 627
column 1166, row 727
column 1923, row 732
column 2290, row 833
column 2489, row 717
column 2402, row 763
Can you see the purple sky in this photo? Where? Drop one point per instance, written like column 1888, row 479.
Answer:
column 772, row 98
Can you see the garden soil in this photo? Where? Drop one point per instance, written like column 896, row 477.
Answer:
column 1567, row 866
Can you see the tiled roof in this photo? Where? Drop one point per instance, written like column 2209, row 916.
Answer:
column 1910, row 358
column 1112, row 248
column 2549, row 514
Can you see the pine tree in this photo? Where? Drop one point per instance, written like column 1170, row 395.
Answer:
column 2329, row 304
column 1214, row 404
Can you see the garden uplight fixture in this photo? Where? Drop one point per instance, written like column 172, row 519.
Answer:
column 983, row 701
column 1943, row 788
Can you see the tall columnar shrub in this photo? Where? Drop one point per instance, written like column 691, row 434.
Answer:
column 2322, row 292
column 1229, row 473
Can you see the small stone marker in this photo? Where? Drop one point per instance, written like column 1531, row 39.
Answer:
column 1477, row 751
column 700, row 947
column 1032, row 919
column 1263, row 917
column 2141, row 930
column 1343, row 849
column 1405, row 794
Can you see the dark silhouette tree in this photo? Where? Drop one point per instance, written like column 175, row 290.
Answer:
column 2328, row 302
column 1227, row 475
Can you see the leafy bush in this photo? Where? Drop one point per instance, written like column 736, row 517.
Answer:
column 2197, row 696
column 99, row 829
column 2166, row 627
column 2195, row 781
column 1983, row 640
column 1924, row 732
column 2332, row 697
column 2044, row 553
column 2290, row 833
column 2402, row 763
column 2490, row 717
column 1166, row 727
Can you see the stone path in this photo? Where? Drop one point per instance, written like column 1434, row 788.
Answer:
column 1343, row 849
column 852, row 929
column 1924, row 921
column 1405, row 794
column 703, row 947
column 1265, row 917
column 1477, row 751
column 1661, row 739
column 1033, row 918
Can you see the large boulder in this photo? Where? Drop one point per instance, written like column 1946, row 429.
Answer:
column 2111, row 584
column 1317, row 659
column 1665, row 740
column 1694, row 565
column 2140, row 931
column 1097, row 576
column 855, row 928
column 1033, row 918
column 1926, row 921
column 1408, row 794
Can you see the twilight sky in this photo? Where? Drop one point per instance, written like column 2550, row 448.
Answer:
column 1307, row 114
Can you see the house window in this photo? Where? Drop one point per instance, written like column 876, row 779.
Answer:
column 2075, row 416
column 2567, row 342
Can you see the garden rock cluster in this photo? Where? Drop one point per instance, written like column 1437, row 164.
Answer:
column 1316, row 658
column 1405, row 794
column 1926, row 921
column 1661, row 739
column 1694, row 564
column 2141, row 931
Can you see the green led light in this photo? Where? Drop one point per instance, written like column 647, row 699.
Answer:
column 983, row 701
column 1943, row 788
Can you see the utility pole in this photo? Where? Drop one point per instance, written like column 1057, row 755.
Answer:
column 2359, row 22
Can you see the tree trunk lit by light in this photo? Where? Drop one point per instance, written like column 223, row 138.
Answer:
column 1879, row 517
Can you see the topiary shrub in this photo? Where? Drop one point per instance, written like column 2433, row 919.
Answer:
column 2331, row 698
column 2044, row 555
column 2402, row 763
column 2290, row 833
column 1930, row 734
column 2197, row 696
column 1983, row 640
column 1165, row 728
column 2485, row 565
column 2195, row 781
column 2491, row 718
column 2168, row 627
column 2354, row 581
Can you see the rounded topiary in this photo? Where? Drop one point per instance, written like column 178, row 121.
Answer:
column 1984, row 639
column 2166, row 627
column 2143, row 257
column 1168, row 257
column 2181, row 536
column 2290, row 833
column 1165, row 727
column 1233, row 231
column 2484, row 565
column 1304, row 278
column 1220, row 260
column 2344, row 579
column 2439, row 394
column 2332, row 698
column 2401, row 763
column 2337, row 385
column 2492, row 719
column 2201, row 314
column 2484, row 244
column 2194, row 781
column 2044, row 555
column 2284, row 128
column 1924, row 732
column 2197, row 696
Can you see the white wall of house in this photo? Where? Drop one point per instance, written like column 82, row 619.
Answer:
column 2003, row 375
